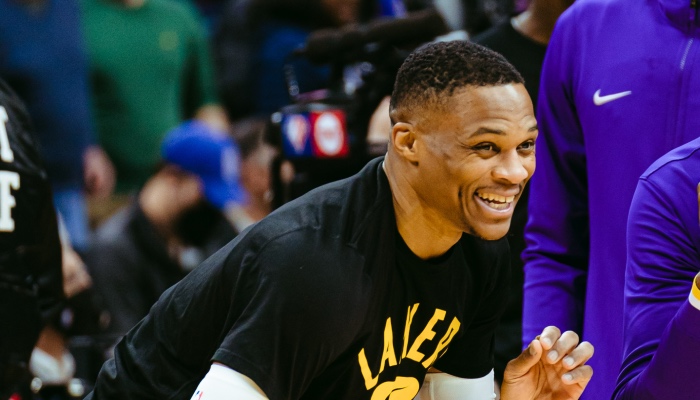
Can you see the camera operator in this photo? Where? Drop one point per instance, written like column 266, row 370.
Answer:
column 324, row 135
column 31, row 284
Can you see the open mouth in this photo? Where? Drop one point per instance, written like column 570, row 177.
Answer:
column 495, row 201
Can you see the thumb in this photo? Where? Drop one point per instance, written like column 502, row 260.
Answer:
column 521, row 365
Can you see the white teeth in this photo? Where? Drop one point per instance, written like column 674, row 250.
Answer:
column 497, row 198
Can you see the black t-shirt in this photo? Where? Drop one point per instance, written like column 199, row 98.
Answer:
column 31, row 286
column 320, row 300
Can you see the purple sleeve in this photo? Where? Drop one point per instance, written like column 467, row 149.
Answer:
column 556, row 255
column 661, row 338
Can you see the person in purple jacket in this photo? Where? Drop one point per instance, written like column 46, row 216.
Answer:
column 661, row 321
column 618, row 91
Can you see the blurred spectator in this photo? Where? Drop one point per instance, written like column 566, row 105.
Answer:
column 257, row 156
column 150, row 69
column 174, row 225
column 618, row 91
column 255, row 41
column 522, row 40
column 43, row 60
column 31, row 285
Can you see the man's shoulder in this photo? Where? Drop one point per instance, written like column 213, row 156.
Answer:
column 680, row 162
column 342, row 209
column 587, row 15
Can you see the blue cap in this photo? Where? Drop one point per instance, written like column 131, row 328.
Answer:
column 211, row 155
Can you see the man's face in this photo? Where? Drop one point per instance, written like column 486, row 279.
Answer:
column 475, row 156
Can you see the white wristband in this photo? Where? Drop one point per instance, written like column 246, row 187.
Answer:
column 222, row 383
column 441, row 386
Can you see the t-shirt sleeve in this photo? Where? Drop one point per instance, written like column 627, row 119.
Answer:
column 471, row 355
column 299, row 307
column 167, row 354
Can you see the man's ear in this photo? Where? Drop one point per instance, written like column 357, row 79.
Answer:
column 403, row 140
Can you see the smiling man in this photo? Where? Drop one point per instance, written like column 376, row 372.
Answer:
column 387, row 285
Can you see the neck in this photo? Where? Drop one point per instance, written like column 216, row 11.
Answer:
column 257, row 209
column 537, row 22
column 421, row 228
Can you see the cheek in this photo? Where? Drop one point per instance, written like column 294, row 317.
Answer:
column 530, row 164
column 192, row 192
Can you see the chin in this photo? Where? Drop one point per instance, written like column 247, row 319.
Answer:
column 490, row 232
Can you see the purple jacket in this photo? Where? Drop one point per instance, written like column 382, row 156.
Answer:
column 618, row 91
column 662, row 329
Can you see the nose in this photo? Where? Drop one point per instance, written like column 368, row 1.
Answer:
column 511, row 168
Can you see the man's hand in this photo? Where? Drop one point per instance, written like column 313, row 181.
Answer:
column 550, row 368
column 75, row 275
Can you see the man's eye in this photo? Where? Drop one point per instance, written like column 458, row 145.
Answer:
column 529, row 145
column 485, row 147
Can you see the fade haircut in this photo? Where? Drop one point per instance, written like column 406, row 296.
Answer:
column 431, row 74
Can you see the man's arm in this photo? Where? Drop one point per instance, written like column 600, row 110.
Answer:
column 556, row 256
column 662, row 339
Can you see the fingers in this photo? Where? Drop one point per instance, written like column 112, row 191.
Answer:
column 525, row 361
column 549, row 337
column 581, row 376
column 582, row 353
column 562, row 346
column 572, row 355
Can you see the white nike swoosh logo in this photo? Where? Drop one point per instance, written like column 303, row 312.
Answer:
column 600, row 100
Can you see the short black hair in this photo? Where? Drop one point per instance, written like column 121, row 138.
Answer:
column 434, row 71
column 250, row 134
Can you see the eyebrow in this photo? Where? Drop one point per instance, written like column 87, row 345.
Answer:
column 487, row 131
